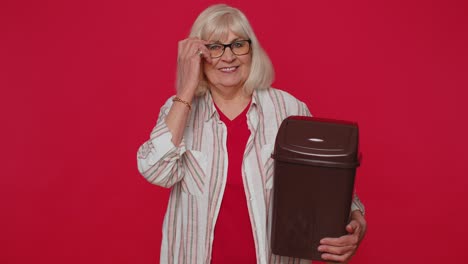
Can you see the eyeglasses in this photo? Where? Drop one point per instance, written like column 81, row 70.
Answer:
column 238, row 47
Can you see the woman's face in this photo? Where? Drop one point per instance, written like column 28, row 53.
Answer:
column 229, row 71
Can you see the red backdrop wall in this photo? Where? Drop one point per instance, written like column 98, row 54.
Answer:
column 82, row 82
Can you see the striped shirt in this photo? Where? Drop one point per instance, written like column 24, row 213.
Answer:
column 196, row 170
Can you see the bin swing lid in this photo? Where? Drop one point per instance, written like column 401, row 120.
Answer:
column 318, row 142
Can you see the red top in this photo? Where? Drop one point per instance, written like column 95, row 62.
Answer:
column 233, row 237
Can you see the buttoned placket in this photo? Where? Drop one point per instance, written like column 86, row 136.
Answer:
column 252, row 123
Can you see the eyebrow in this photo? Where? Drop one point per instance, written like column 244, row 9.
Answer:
column 232, row 41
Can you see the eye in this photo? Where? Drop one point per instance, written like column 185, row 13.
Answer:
column 214, row 47
column 238, row 44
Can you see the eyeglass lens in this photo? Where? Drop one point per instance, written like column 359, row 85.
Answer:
column 239, row 47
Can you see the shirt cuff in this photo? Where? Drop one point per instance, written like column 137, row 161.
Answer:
column 357, row 205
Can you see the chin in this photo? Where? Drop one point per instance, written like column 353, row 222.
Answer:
column 232, row 85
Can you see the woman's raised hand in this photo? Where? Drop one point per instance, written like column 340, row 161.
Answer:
column 191, row 52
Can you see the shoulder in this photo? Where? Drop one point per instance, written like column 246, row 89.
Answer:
column 276, row 94
column 283, row 101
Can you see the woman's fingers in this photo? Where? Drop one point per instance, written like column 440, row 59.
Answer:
column 342, row 248
column 337, row 258
column 346, row 240
column 340, row 241
column 352, row 227
column 337, row 253
column 206, row 53
column 191, row 47
column 191, row 52
column 337, row 250
column 352, row 238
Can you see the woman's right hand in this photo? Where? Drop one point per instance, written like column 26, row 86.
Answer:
column 189, row 65
column 189, row 71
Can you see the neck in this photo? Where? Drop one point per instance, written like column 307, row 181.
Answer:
column 230, row 101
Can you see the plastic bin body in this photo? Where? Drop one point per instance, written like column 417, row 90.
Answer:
column 315, row 167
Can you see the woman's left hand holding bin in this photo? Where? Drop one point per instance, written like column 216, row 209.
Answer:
column 343, row 248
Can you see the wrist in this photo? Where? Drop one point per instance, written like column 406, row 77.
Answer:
column 357, row 215
column 182, row 101
column 186, row 96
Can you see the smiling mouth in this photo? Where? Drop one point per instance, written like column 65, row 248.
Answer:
column 229, row 69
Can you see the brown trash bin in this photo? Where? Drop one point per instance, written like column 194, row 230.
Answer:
column 315, row 165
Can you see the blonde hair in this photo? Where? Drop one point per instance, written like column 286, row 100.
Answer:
column 215, row 22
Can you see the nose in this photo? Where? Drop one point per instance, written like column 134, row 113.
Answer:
column 228, row 55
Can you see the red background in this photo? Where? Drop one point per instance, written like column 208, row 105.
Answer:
column 82, row 82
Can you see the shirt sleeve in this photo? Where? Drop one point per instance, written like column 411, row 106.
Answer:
column 158, row 159
column 303, row 109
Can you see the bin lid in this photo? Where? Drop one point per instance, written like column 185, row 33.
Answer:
column 318, row 142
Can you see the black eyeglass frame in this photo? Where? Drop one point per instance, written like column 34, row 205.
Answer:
column 230, row 46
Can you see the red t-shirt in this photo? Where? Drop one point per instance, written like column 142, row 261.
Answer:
column 233, row 238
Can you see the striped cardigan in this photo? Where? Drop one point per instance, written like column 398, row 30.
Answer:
column 196, row 171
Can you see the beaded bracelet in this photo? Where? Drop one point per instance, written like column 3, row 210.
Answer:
column 177, row 99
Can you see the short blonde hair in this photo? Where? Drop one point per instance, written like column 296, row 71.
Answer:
column 215, row 22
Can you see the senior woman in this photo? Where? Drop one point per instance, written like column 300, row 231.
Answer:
column 212, row 145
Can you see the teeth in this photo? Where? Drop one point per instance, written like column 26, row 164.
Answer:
column 228, row 69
